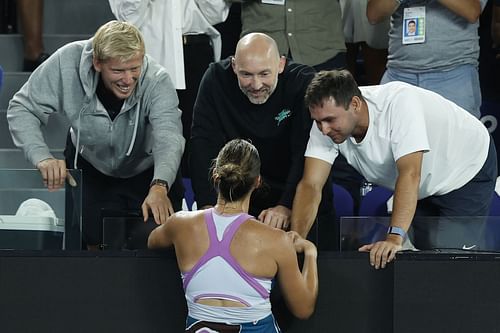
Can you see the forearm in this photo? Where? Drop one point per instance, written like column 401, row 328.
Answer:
column 25, row 129
column 405, row 201
column 310, row 271
column 305, row 208
column 378, row 10
column 468, row 9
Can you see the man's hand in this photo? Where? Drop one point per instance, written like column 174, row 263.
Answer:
column 158, row 202
column 383, row 252
column 278, row 217
column 54, row 174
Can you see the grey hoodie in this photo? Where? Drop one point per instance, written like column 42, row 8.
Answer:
column 148, row 129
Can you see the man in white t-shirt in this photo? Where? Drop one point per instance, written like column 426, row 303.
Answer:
column 437, row 157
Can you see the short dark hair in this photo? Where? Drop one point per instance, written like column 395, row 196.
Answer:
column 236, row 169
column 339, row 84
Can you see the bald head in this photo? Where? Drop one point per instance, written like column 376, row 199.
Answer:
column 257, row 64
column 257, row 45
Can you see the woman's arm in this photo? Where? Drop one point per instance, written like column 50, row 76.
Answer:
column 300, row 288
column 162, row 236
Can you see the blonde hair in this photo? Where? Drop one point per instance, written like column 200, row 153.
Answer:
column 117, row 39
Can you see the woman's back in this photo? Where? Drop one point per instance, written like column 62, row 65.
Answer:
column 228, row 259
column 252, row 246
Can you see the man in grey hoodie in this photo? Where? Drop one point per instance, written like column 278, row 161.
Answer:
column 125, row 133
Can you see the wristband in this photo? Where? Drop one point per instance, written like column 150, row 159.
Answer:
column 159, row 182
column 396, row 231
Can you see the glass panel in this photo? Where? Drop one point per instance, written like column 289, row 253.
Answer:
column 33, row 218
column 462, row 233
column 126, row 232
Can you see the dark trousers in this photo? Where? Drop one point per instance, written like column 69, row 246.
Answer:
column 198, row 54
column 457, row 218
column 101, row 193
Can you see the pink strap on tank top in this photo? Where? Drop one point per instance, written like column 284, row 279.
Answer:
column 221, row 249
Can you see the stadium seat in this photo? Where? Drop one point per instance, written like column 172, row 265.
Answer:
column 343, row 202
column 374, row 203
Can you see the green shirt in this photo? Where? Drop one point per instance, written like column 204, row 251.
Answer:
column 311, row 30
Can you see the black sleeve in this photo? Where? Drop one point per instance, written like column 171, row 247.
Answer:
column 301, row 126
column 207, row 138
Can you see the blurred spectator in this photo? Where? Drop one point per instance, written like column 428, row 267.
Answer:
column 371, row 40
column 31, row 15
column 443, row 54
column 309, row 32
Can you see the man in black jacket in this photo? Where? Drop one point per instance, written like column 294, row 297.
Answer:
column 256, row 95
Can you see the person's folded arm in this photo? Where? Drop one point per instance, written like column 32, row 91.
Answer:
column 468, row 9
column 133, row 11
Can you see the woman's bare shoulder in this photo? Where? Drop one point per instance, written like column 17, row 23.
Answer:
column 181, row 218
column 265, row 232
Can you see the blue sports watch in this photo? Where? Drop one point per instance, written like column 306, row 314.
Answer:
column 396, row 231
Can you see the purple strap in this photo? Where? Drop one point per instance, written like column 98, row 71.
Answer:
column 221, row 249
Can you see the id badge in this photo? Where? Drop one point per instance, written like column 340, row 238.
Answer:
column 414, row 25
column 274, row 2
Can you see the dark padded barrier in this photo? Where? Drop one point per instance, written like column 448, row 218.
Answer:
column 447, row 293
column 140, row 291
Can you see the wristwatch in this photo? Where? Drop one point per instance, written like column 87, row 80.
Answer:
column 396, row 231
column 159, row 182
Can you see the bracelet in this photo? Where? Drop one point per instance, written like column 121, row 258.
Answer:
column 159, row 182
column 396, row 231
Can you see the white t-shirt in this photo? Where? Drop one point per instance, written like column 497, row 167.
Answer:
column 404, row 119
column 162, row 23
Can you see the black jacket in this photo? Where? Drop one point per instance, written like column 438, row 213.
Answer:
column 279, row 129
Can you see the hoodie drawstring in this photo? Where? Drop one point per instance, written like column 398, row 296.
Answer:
column 132, row 141
column 136, row 125
column 77, row 145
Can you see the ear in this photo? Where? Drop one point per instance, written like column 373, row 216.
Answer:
column 356, row 103
column 281, row 65
column 258, row 182
column 97, row 64
column 233, row 65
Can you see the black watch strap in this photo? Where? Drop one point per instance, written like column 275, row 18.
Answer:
column 159, row 182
